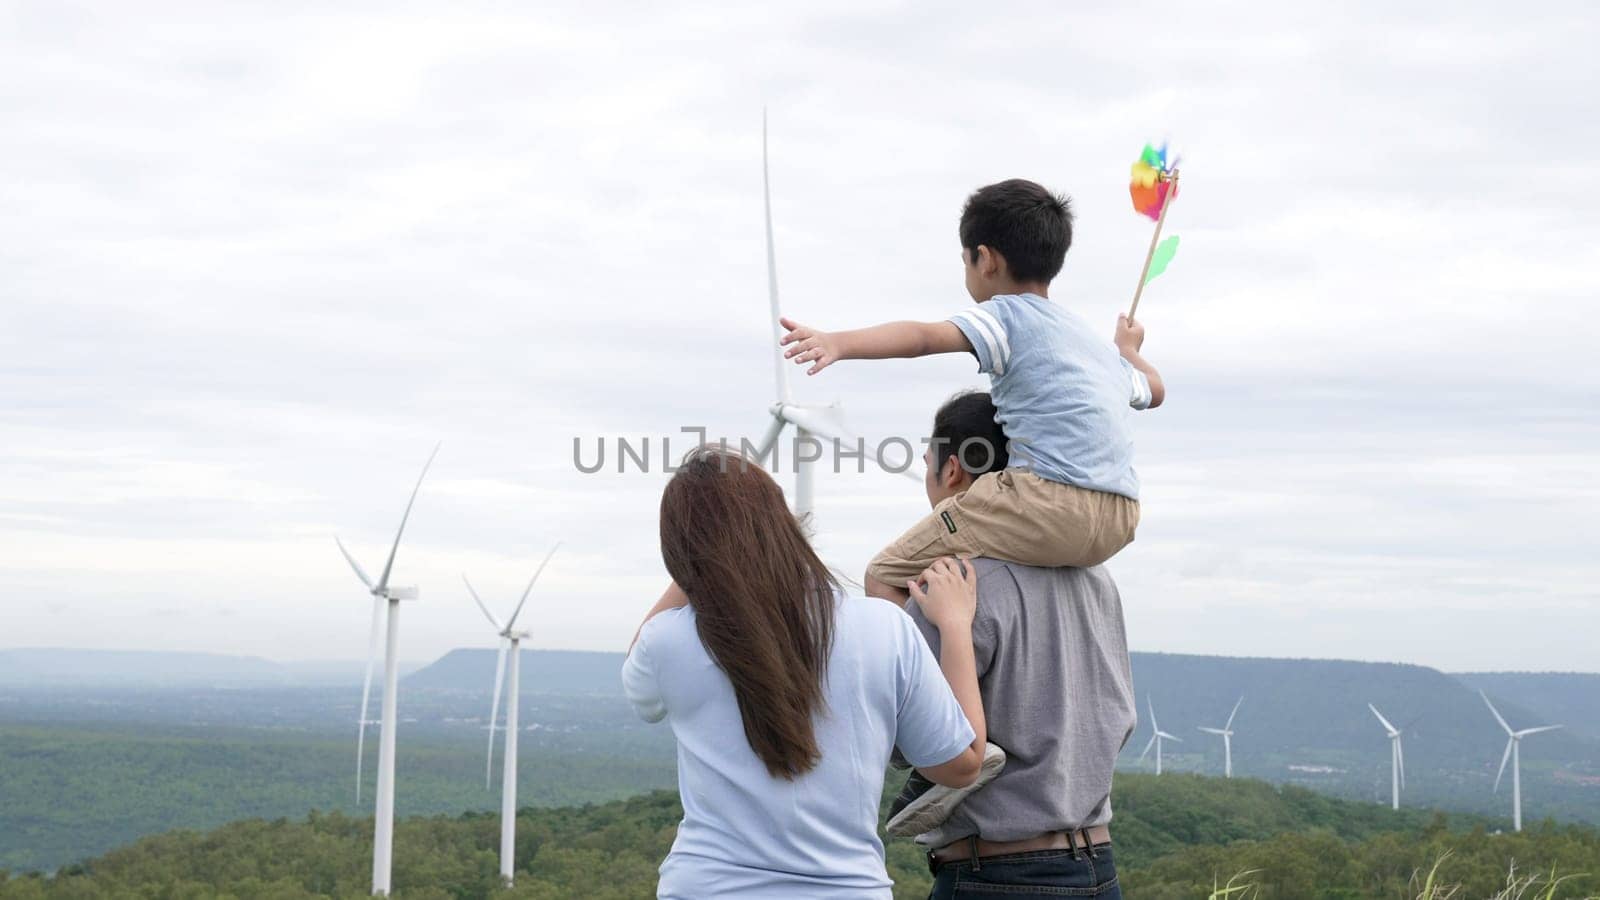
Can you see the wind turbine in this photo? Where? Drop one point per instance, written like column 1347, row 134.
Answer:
column 1227, row 740
column 1158, row 737
column 384, row 599
column 510, row 640
column 1397, row 758
column 809, row 420
column 1514, row 755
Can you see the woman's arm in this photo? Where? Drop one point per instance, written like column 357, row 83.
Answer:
column 950, row 602
column 672, row 598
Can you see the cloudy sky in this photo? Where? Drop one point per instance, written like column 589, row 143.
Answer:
column 256, row 259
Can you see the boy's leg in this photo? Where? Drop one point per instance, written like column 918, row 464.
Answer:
column 937, row 535
column 1015, row 516
column 876, row 588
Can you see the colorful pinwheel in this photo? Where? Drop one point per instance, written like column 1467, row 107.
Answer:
column 1152, row 181
column 1153, row 188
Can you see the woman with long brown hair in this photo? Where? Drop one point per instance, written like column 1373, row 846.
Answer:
column 787, row 696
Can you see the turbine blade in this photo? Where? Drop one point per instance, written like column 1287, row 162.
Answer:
column 1171, row 737
column 1234, row 713
column 827, row 422
column 529, row 589
column 494, row 712
column 1497, row 716
column 383, row 580
column 1387, row 727
column 1151, row 705
column 360, row 573
column 366, row 688
column 479, row 600
column 1147, row 748
column 1211, row 730
column 1503, row 760
column 1527, row 731
column 824, row 422
column 781, row 364
column 771, row 437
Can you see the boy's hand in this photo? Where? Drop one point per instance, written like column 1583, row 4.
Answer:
column 951, row 597
column 810, row 346
column 1130, row 334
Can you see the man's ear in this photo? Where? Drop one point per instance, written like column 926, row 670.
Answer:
column 951, row 475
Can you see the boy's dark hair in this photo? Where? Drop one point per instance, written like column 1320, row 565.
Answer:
column 964, row 427
column 1023, row 222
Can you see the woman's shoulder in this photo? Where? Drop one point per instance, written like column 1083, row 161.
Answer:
column 869, row 620
column 668, row 627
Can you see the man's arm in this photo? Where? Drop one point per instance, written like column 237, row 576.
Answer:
column 894, row 340
column 1130, row 337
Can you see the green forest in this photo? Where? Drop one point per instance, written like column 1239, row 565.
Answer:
column 1174, row 836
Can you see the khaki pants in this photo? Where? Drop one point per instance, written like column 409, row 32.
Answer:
column 1016, row 516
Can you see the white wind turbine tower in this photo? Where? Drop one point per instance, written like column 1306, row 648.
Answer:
column 810, row 421
column 1397, row 758
column 385, row 599
column 1513, row 754
column 1227, row 740
column 510, row 643
column 1157, row 737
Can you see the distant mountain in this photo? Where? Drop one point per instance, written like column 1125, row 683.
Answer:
column 1569, row 698
column 543, row 672
column 1314, row 712
column 55, row 667
column 1308, row 712
column 52, row 667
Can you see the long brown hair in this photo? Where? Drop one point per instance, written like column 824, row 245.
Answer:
column 763, row 600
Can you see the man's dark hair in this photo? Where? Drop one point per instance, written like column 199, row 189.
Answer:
column 1023, row 222
column 964, row 427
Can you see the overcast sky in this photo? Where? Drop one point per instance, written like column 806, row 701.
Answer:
column 255, row 259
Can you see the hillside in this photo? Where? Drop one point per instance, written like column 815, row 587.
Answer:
column 1570, row 698
column 1171, row 835
column 56, row 667
column 1304, row 713
column 89, row 769
column 569, row 672
column 46, row 666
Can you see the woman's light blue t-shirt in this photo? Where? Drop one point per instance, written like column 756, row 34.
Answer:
column 747, row 834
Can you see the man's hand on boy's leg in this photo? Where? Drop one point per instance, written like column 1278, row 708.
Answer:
column 876, row 588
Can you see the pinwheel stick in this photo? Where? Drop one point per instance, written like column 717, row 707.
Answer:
column 1161, row 219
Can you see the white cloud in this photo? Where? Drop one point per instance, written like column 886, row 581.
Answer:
column 255, row 262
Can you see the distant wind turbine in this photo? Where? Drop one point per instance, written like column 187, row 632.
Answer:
column 384, row 599
column 1157, row 737
column 1397, row 758
column 510, row 640
column 1513, row 754
column 809, row 420
column 1227, row 740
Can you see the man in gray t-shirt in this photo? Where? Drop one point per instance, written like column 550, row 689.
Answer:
column 1053, row 671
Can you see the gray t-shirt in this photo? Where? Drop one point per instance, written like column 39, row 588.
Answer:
column 1057, row 692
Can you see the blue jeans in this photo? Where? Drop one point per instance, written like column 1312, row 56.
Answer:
column 1042, row 873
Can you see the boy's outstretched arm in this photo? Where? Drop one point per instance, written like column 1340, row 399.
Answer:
column 1130, row 337
column 895, row 340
